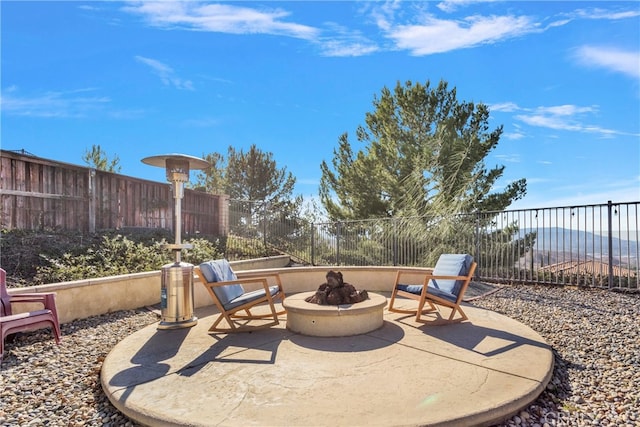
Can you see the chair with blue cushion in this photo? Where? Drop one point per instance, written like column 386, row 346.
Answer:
column 230, row 297
column 444, row 286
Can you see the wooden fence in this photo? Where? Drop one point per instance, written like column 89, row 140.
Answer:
column 40, row 194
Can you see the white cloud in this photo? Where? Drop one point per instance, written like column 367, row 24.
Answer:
column 614, row 59
column 566, row 110
column 68, row 104
column 506, row 107
column 560, row 123
column 337, row 48
column 222, row 18
column 606, row 14
column 565, row 117
column 166, row 73
column 232, row 19
column 345, row 42
column 425, row 34
column 510, row 158
column 432, row 35
column 514, row 135
column 453, row 5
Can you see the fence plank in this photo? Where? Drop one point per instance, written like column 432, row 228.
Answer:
column 39, row 193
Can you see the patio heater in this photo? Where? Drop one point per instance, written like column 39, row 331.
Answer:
column 176, row 287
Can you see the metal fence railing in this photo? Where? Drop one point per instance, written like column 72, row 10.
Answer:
column 590, row 245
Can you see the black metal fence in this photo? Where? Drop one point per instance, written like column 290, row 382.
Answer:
column 590, row 245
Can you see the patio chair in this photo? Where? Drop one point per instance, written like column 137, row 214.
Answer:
column 230, row 297
column 444, row 286
column 32, row 320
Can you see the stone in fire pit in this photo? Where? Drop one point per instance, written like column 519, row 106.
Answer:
column 336, row 292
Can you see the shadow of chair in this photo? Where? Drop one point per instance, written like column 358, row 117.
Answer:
column 230, row 297
column 444, row 286
column 28, row 321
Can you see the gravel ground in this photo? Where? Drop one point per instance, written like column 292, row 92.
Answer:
column 595, row 336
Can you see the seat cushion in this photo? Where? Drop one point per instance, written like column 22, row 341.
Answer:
column 417, row 290
column 220, row 271
column 412, row 289
column 249, row 297
column 451, row 265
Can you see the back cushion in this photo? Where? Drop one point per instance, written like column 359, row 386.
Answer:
column 451, row 265
column 220, row 271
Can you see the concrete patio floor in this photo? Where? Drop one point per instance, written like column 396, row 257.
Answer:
column 477, row 372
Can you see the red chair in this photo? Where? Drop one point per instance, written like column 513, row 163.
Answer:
column 12, row 323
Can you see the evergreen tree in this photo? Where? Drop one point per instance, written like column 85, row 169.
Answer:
column 264, row 203
column 211, row 180
column 424, row 154
column 423, row 161
column 97, row 158
column 251, row 176
column 255, row 176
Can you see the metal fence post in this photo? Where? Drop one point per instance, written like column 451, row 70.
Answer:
column 477, row 243
column 338, row 243
column 313, row 243
column 264, row 227
column 395, row 242
column 610, row 241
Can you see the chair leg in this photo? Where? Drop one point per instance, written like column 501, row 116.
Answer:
column 422, row 311
column 463, row 315
column 222, row 316
column 392, row 300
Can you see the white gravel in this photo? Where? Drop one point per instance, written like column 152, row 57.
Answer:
column 595, row 335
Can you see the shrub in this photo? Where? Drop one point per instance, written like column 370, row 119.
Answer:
column 112, row 256
column 32, row 258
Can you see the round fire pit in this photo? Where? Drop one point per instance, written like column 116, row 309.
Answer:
column 333, row 320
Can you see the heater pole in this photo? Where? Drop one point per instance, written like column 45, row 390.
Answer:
column 176, row 282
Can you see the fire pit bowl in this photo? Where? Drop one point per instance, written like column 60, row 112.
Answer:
column 334, row 320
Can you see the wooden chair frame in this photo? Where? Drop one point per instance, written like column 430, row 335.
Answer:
column 22, row 322
column 231, row 315
column 425, row 297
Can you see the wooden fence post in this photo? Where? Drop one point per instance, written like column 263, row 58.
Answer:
column 223, row 215
column 91, row 196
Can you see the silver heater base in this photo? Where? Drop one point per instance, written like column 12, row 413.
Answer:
column 178, row 325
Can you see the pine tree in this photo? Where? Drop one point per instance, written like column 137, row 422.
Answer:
column 263, row 193
column 424, row 154
column 423, row 161
column 98, row 159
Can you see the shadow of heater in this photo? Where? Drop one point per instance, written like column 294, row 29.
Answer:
column 176, row 288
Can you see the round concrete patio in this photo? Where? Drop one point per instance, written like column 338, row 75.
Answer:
column 477, row 372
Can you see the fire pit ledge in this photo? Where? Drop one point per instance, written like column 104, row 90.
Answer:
column 334, row 320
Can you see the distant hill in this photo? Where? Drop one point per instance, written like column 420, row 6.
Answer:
column 554, row 244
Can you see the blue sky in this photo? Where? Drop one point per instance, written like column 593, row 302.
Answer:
column 144, row 78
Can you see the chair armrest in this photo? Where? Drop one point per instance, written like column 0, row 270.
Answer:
column 246, row 277
column 429, row 277
column 262, row 280
column 242, row 279
column 401, row 273
column 249, row 275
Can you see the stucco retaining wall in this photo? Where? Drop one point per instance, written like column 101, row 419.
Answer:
column 85, row 298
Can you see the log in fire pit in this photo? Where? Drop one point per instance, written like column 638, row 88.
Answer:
column 336, row 292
